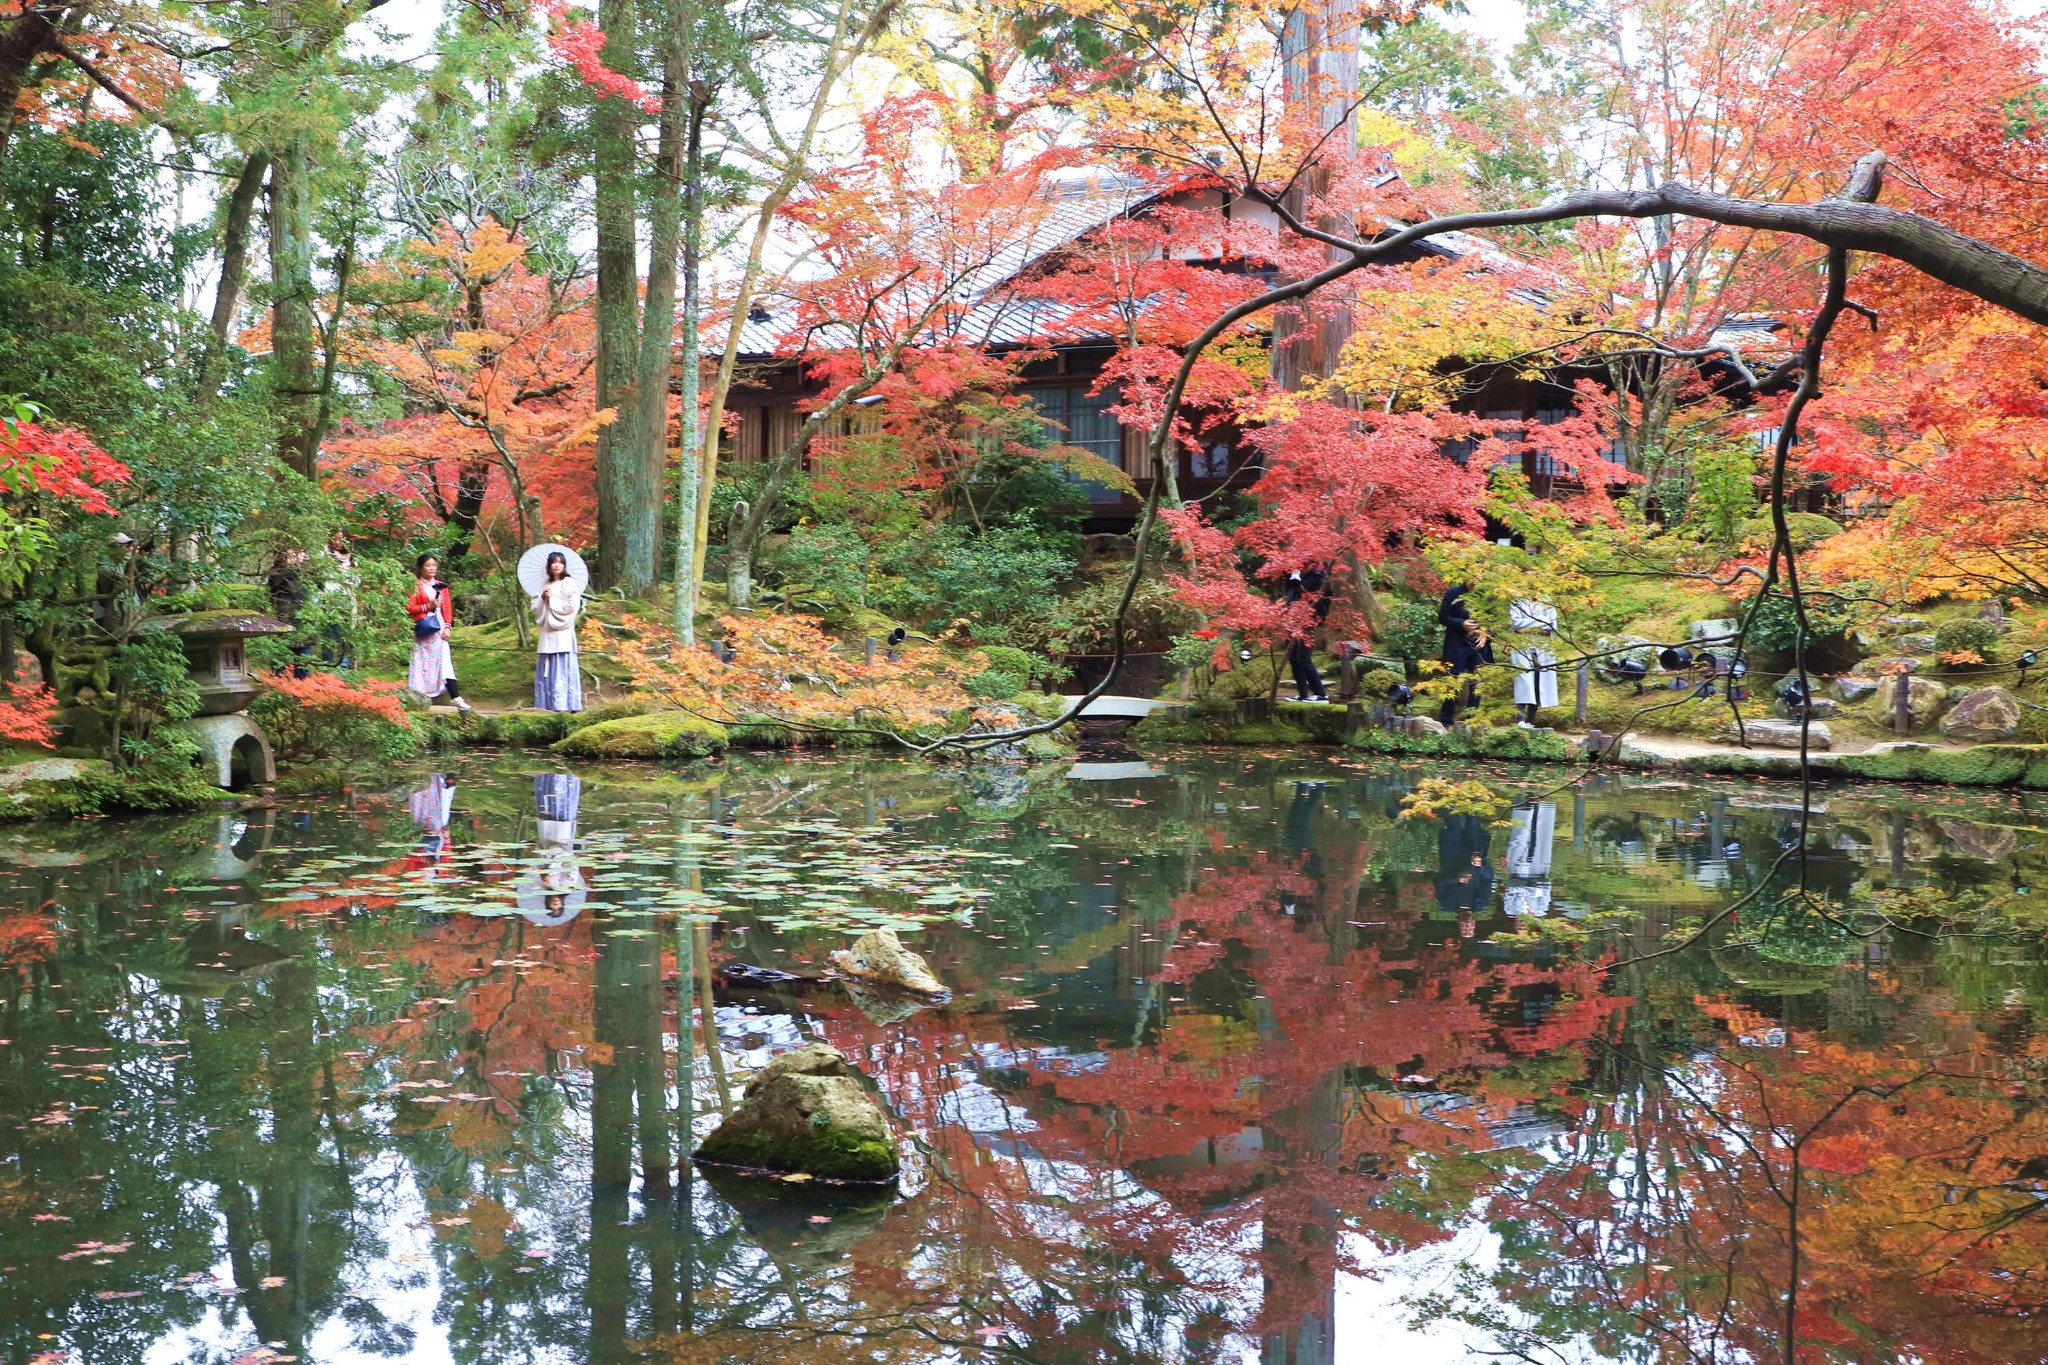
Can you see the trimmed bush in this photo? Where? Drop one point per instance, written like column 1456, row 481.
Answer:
column 1967, row 632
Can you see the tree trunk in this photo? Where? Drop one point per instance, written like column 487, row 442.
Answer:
column 739, row 557
column 330, row 343
column 234, row 270
column 688, row 471
column 294, row 385
column 472, row 481
column 648, row 475
column 620, row 446
column 26, row 38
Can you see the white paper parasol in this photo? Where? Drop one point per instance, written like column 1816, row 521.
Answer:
column 533, row 568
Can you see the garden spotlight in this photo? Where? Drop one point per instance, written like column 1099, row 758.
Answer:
column 1675, row 658
column 1633, row 670
column 1737, row 670
column 2025, row 662
column 1399, row 695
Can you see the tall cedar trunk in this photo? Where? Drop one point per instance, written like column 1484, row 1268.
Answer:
column 472, row 482
column 234, row 269
column 21, row 42
column 688, row 471
column 649, row 472
column 1321, row 50
column 293, row 373
column 330, row 343
column 620, row 446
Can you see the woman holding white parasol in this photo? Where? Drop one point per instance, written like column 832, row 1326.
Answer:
column 554, row 576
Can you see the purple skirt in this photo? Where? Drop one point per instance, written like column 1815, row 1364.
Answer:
column 558, row 682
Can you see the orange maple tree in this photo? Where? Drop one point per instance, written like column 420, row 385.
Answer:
column 494, row 361
column 786, row 668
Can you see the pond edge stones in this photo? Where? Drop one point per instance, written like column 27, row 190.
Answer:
column 809, row 1113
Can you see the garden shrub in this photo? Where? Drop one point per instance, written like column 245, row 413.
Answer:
column 1808, row 530
column 1010, row 671
column 950, row 573
column 1413, row 633
column 1081, row 624
column 1970, row 633
column 325, row 716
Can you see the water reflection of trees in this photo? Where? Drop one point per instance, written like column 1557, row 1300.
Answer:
column 1210, row 1055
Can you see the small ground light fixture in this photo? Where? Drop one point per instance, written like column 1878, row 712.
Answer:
column 2026, row 661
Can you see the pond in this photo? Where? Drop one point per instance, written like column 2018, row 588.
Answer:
column 1236, row 1068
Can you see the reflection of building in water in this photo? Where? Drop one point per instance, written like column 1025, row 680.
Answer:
column 1530, row 835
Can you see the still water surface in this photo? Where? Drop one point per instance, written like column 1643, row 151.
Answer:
column 1231, row 1073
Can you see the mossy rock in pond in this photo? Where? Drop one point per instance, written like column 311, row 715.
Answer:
column 1987, row 765
column 1327, row 722
column 808, row 1112
column 62, row 789
column 658, row 734
column 535, row 729
column 758, row 732
column 1220, row 725
column 309, row 779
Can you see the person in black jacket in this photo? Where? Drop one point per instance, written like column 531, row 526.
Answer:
column 1466, row 647
column 1301, row 661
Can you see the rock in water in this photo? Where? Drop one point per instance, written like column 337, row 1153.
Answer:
column 878, row 959
column 1987, row 716
column 807, row 1113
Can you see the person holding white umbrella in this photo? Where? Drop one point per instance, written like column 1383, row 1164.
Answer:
column 554, row 576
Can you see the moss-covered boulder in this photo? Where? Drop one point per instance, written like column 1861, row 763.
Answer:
column 65, row 788
column 808, row 1112
column 538, row 729
column 658, row 734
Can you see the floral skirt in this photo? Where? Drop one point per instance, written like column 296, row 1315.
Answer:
column 432, row 666
column 558, row 682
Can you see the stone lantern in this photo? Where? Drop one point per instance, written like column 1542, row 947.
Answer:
column 216, row 656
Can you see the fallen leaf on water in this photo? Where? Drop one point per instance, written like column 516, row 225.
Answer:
column 271, row 1281
column 819, row 1218
column 797, row 1177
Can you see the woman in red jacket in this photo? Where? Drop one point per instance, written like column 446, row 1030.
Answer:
column 433, row 611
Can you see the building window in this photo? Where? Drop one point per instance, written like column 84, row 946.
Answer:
column 1212, row 462
column 1080, row 418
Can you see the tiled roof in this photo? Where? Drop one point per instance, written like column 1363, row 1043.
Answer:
column 1084, row 202
column 1081, row 203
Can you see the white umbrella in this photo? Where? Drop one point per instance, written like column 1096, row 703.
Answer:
column 533, row 568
